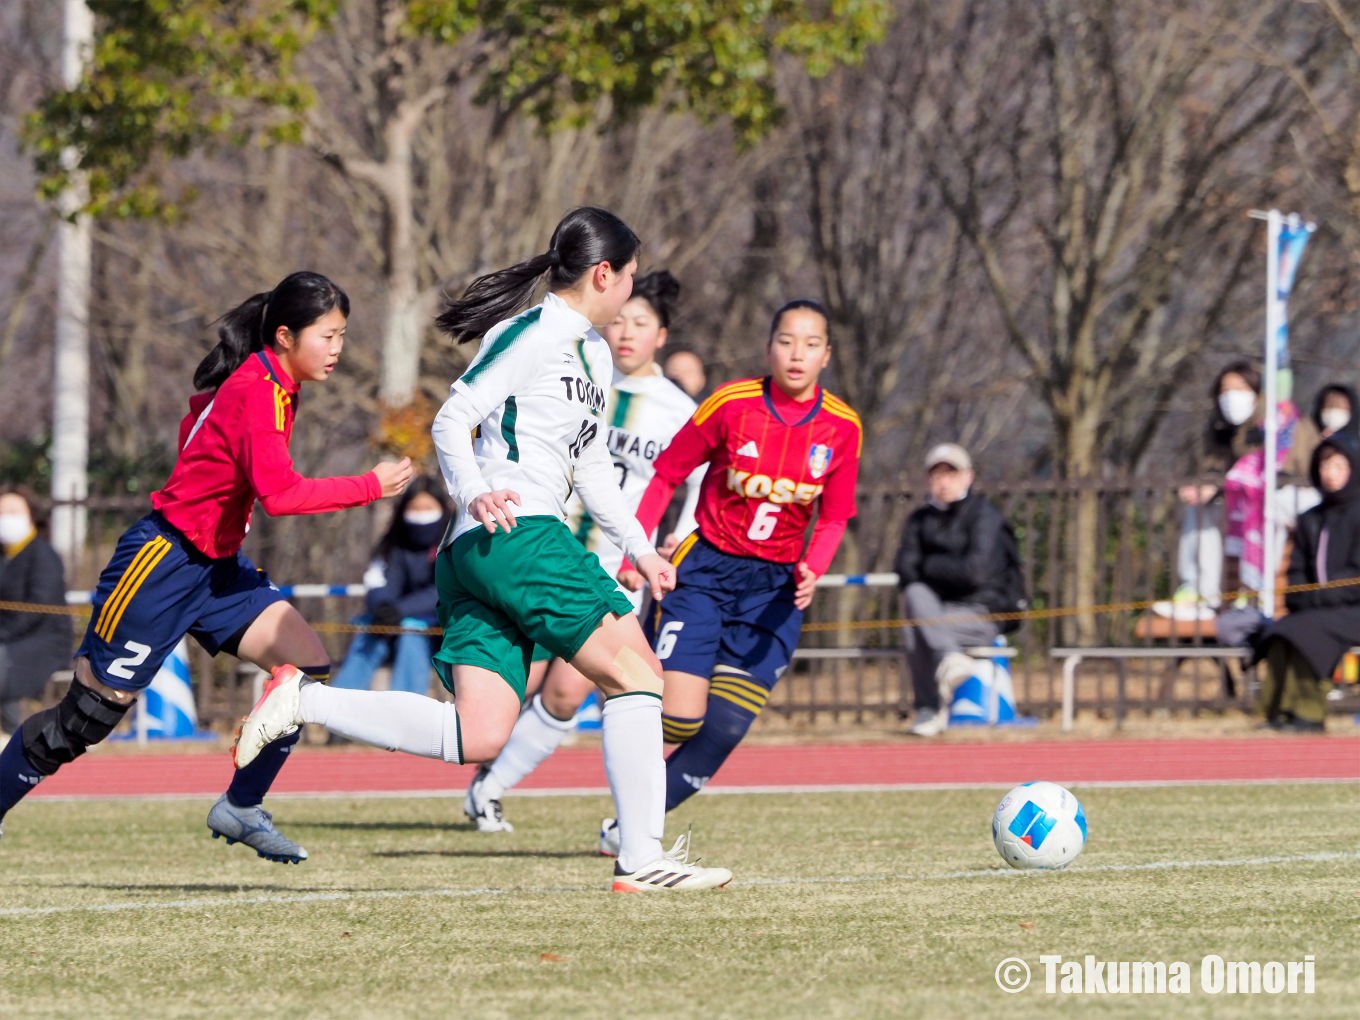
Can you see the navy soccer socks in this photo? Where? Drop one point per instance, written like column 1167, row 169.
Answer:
column 17, row 774
column 735, row 698
column 250, row 784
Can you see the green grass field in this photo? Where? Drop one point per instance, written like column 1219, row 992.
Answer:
column 403, row 911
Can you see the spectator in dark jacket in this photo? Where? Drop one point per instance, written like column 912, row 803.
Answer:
column 401, row 591
column 951, row 564
column 1303, row 648
column 33, row 646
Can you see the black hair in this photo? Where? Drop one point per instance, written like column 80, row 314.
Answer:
column 37, row 513
column 395, row 534
column 298, row 300
column 806, row 304
column 660, row 290
column 1348, row 446
column 1250, row 374
column 585, row 238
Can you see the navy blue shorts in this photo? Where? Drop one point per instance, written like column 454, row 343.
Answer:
column 156, row 589
column 726, row 611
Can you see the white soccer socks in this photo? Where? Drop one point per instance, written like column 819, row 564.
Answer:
column 392, row 720
column 636, row 770
column 537, row 734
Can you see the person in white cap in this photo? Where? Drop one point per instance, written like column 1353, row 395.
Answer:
column 952, row 563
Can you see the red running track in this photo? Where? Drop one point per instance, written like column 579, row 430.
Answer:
column 754, row 767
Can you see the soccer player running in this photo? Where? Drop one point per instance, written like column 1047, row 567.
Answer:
column 510, row 574
column 644, row 410
column 180, row 569
column 776, row 448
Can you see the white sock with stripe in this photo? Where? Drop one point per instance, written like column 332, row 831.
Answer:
column 636, row 770
column 392, row 720
column 535, row 737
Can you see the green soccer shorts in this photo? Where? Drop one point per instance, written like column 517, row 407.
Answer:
column 500, row 594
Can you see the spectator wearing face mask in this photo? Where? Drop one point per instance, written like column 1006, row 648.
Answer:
column 1334, row 410
column 1303, row 648
column 33, row 646
column 1236, row 465
column 401, row 591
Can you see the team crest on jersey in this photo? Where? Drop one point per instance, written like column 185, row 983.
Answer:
column 819, row 459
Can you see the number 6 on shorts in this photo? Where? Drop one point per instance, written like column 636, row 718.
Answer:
column 665, row 641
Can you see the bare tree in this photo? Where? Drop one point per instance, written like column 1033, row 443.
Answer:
column 1096, row 157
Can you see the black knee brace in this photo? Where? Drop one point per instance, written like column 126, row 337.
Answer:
column 57, row 735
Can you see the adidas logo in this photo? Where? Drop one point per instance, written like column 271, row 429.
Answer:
column 31, row 780
column 749, row 450
column 695, row 781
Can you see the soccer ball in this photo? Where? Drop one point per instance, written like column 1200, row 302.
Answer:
column 1039, row 826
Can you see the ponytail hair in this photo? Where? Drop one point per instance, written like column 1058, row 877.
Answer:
column 585, row 238
column 660, row 290
column 296, row 302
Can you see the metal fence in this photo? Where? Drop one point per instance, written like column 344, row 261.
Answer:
column 1081, row 544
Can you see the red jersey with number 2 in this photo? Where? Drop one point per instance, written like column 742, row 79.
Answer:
column 772, row 461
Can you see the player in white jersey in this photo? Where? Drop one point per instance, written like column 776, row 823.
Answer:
column 645, row 410
column 509, row 572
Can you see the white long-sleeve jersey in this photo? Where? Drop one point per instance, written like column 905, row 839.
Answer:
column 535, row 395
column 644, row 414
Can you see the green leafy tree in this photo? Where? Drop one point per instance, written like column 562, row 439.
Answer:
column 170, row 77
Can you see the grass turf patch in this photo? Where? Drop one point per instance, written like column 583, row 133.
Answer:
column 855, row 905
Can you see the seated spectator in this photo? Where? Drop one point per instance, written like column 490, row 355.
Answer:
column 401, row 591
column 1334, row 410
column 33, row 646
column 952, row 563
column 1303, row 648
column 686, row 370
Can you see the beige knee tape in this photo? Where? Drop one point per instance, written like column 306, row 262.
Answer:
column 637, row 674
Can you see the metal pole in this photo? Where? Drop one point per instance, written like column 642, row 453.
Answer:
column 1269, row 553
column 71, row 368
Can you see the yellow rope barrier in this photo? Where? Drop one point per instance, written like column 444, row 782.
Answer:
column 1032, row 614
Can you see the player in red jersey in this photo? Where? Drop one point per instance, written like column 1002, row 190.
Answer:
column 180, row 569
column 778, row 449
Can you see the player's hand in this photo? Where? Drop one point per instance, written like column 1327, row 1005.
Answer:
column 393, row 476
column 668, row 547
column 631, row 579
column 659, row 573
column 807, row 586
column 495, row 508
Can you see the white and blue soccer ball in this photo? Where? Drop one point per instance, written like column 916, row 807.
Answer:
column 1039, row 826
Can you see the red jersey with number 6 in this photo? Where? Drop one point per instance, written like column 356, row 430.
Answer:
column 772, row 460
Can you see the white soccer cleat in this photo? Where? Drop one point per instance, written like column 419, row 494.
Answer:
column 275, row 715
column 609, row 837
column 672, row 872
column 930, row 722
column 488, row 814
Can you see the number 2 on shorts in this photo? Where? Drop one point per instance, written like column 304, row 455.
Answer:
column 665, row 641
column 120, row 667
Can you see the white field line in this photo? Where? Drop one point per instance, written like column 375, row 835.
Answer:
column 343, row 896
column 603, row 791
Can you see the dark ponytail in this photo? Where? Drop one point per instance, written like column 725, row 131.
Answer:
column 585, row 238
column 297, row 302
column 660, row 290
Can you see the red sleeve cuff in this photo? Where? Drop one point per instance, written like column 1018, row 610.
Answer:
column 826, row 539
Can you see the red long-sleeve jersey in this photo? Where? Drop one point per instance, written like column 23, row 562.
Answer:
column 233, row 450
column 772, row 459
